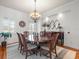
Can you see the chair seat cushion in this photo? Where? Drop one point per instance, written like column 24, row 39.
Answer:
column 45, row 48
column 31, row 46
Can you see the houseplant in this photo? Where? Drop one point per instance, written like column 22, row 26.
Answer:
column 6, row 35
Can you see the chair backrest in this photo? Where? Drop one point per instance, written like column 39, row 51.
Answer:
column 26, row 33
column 19, row 37
column 53, row 41
column 24, row 41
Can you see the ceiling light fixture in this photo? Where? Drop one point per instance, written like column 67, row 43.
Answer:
column 35, row 15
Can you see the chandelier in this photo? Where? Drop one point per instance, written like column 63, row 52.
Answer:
column 35, row 15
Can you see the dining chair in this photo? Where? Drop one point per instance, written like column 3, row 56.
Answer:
column 26, row 34
column 20, row 43
column 51, row 46
column 28, row 49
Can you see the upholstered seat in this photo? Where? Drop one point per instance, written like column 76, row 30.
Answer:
column 31, row 46
column 45, row 48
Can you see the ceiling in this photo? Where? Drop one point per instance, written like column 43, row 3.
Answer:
column 28, row 5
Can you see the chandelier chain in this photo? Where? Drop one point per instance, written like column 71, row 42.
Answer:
column 35, row 15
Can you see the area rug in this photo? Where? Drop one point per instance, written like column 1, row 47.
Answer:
column 13, row 53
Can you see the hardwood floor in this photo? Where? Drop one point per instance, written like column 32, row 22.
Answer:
column 77, row 55
column 3, row 53
column 77, row 51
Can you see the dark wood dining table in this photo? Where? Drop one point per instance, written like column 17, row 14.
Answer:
column 38, row 41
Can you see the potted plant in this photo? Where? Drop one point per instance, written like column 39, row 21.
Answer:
column 5, row 35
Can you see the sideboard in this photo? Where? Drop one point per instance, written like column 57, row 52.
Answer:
column 60, row 37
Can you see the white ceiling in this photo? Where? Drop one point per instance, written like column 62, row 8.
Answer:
column 28, row 5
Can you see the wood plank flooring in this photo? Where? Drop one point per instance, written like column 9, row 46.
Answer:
column 77, row 51
column 77, row 55
column 3, row 53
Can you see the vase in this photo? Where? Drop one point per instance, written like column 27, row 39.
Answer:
column 4, row 44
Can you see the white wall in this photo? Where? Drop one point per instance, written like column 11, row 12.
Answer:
column 12, row 15
column 70, row 22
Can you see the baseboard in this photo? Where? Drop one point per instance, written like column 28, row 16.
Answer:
column 67, row 47
column 12, row 43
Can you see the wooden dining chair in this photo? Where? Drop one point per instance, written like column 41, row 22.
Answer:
column 26, row 33
column 28, row 49
column 51, row 48
column 20, row 43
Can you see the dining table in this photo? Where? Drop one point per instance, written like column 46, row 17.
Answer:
column 38, row 41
